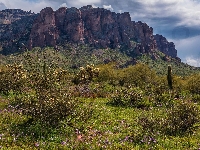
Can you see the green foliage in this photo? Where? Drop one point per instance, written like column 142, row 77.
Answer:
column 108, row 73
column 48, row 108
column 41, row 92
column 12, row 77
column 131, row 97
column 113, row 108
column 193, row 84
column 181, row 118
column 139, row 75
column 86, row 74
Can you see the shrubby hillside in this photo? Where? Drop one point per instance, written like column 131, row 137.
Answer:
column 84, row 98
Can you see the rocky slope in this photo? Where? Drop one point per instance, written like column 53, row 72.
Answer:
column 164, row 46
column 15, row 27
column 95, row 27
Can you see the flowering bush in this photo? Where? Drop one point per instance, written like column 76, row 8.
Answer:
column 12, row 77
column 181, row 118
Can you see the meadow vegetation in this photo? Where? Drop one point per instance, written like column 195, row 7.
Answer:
column 48, row 102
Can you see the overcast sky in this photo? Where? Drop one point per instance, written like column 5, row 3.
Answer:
column 177, row 20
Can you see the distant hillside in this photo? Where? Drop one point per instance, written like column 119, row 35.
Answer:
column 72, row 57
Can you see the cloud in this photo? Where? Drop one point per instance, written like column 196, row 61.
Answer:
column 2, row 6
column 77, row 3
column 193, row 61
column 109, row 7
column 35, row 6
column 189, row 50
column 63, row 5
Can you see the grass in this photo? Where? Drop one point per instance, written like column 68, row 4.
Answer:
column 109, row 128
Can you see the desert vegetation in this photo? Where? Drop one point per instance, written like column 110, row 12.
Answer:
column 49, row 101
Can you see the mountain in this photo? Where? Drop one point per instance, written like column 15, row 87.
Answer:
column 96, row 27
column 15, row 27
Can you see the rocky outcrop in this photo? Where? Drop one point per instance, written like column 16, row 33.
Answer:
column 14, row 35
column 44, row 31
column 95, row 27
column 8, row 16
column 164, row 46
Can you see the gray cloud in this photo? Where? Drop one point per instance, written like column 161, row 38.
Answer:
column 189, row 50
column 2, row 6
column 193, row 61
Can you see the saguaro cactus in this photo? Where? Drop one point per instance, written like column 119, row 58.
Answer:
column 169, row 77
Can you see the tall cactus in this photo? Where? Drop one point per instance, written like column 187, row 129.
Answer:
column 169, row 77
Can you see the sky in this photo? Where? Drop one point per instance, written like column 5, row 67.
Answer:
column 177, row 20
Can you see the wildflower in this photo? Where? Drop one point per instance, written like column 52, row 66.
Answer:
column 77, row 131
column 63, row 143
column 80, row 137
column 126, row 138
column 37, row 144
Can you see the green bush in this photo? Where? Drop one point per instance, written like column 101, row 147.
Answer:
column 12, row 77
column 47, row 99
column 181, row 118
column 108, row 73
column 47, row 107
column 139, row 75
column 45, row 95
column 193, row 84
column 132, row 97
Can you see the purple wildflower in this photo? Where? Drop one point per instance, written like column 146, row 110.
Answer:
column 63, row 143
column 37, row 144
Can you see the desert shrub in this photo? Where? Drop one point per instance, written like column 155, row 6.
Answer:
column 12, row 77
column 131, row 97
column 178, row 120
column 193, row 84
column 86, row 74
column 138, row 75
column 178, row 83
column 48, row 108
column 47, row 99
column 181, row 118
column 196, row 98
column 108, row 73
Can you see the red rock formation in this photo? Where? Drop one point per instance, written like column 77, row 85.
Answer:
column 95, row 26
column 164, row 46
column 44, row 31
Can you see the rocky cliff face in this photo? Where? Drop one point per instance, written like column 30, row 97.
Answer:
column 44, row 31
column 164, row 46
column 15, row 27
column 96, row 27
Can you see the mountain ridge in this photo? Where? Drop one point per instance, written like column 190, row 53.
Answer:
column 97, row 27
